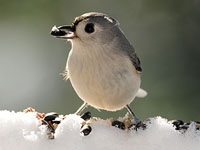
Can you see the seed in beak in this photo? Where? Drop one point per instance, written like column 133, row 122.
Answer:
column 57, row 32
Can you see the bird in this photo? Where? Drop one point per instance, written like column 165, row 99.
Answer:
column 102, row 65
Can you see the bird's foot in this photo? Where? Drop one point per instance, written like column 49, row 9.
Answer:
column 138, row 124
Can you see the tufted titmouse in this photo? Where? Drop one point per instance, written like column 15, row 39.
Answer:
column 102, row 65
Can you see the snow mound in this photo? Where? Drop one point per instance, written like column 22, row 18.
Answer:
column 24, row 131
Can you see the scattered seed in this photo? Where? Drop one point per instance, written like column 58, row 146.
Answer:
column 86, row 116
column 177, row 123
column 85, row 130
column 118, row 124
column 51, row 116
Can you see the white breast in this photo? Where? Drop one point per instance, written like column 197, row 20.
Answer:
column 103, row 79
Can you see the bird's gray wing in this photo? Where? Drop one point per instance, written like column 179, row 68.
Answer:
column 134, row 59
column 127, row 48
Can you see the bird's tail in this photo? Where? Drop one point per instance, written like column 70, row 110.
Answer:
column 141, row 93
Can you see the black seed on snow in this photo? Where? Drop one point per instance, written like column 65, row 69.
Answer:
column 86, row 130
column 177, row 123
column 50, row 116
column 118, row 124
column 86, row 116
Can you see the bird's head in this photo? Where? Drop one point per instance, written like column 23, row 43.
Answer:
column 89, row 28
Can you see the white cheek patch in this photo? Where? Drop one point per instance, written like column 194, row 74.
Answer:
column 80, row 29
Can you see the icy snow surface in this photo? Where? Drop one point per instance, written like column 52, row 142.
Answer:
column 23, row 132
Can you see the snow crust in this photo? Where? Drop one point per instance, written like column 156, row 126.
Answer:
column 23, row 131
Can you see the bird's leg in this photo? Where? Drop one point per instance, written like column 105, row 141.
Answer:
column 78, row 112
column 136, row 121
column 135, row 118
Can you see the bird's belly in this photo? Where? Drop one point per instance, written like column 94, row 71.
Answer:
column 102, row 86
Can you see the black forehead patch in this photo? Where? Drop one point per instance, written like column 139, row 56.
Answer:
column 92, row 15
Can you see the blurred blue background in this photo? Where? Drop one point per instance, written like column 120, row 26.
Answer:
column 165, row 34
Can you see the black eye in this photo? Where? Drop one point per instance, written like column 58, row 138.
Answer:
column 89, row 28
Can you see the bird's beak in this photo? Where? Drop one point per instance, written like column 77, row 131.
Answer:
column 64, row 32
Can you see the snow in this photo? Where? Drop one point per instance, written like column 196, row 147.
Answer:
column 22, row 131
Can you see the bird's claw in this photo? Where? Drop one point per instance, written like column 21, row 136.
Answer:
column 138, row 125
